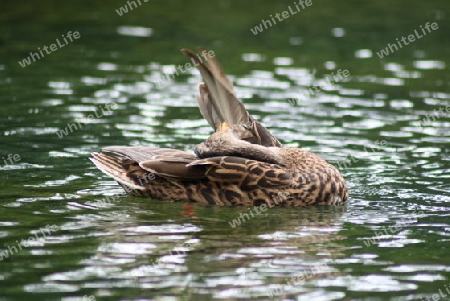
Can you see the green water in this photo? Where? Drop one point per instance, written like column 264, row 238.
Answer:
column 390, row 242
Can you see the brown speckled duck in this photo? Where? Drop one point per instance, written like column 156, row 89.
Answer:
column 242, row 163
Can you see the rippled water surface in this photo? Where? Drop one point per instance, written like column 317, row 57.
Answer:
column 68, row 232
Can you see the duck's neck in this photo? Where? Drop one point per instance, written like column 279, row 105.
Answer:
column 259, row 153
column 243, row 149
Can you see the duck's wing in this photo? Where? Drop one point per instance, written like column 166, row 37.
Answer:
column 131, row 164
column 246, row 173
column 164, row 162
column 218, row 103
column 140, row 170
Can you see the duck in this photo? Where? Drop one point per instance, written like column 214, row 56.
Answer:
column 240, row 164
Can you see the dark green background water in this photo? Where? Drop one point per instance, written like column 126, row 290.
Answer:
column 129, row 248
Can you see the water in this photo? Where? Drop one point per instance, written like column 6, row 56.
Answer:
column 84, row 238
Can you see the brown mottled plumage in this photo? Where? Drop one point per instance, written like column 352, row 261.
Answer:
column 242, row 163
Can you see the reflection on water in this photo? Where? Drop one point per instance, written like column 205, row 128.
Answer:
column 179, row 254
column 385, row 126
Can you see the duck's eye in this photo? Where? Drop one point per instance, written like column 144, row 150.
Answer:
column 248, row 125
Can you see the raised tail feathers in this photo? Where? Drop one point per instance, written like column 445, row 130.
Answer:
column 218, row 102
column 219, row 105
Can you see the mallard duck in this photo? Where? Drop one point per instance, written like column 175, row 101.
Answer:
column 241, row 163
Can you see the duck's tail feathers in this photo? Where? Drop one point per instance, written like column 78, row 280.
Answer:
column 124, row 171
column 217, row 101
column 220, row 106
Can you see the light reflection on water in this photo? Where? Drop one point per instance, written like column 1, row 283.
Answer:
column 129, row 247
column 336, row 123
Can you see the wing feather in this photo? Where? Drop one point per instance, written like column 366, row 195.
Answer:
column 249, row 174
